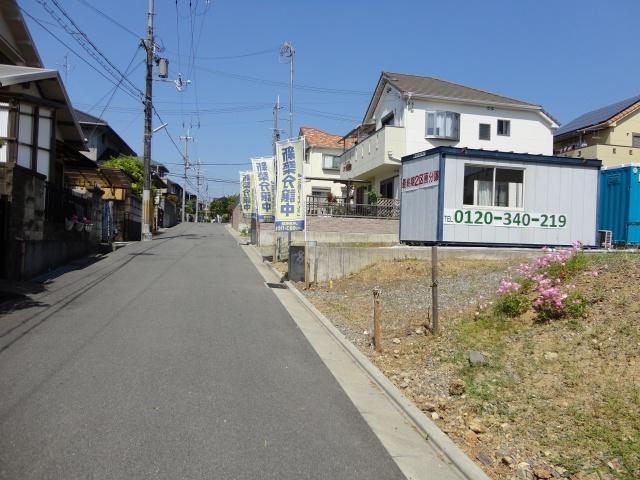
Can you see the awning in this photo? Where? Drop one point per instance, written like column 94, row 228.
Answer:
column 102, row 177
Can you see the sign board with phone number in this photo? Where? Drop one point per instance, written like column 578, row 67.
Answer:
column 504, row 218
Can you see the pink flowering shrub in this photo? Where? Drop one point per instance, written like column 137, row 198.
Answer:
column 544, row 277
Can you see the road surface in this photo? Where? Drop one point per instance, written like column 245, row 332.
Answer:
column 172, row 360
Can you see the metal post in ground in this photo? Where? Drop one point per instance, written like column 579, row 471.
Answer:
column 377, row 327
column 434, row 289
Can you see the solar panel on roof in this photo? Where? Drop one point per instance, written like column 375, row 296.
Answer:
column 597, row 116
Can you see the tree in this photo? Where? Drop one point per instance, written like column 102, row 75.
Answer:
column 223, row 205
column 133, row 167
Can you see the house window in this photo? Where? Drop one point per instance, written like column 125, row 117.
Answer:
column 493, row 187
column 35, row 133
column 445, row 125
column 386, row 188
column 636, row 140
column 330, row 162
column 389, row 119
column 504, row 128
column 320, row 192
column 485, row 131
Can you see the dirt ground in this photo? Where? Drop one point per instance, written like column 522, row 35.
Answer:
column 557, row 399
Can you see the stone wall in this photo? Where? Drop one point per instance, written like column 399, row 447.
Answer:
column 32, row 244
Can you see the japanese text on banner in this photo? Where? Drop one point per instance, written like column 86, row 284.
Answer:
column 289, row 212
column 263, row 177
column 246, row 194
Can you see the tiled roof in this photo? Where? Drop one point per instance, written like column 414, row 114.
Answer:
column 598, row 116
column 314, row 137
column 434, row 87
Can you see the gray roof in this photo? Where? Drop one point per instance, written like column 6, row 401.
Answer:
column 598, row 116
column 51, row 88
column 434, row 87
column 84, row 117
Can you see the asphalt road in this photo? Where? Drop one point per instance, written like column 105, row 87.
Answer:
column 172, row 360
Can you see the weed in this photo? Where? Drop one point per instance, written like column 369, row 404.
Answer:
column 512, row 304
column 575, row 305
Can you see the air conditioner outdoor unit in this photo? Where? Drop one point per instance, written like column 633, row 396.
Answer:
column 605, row 238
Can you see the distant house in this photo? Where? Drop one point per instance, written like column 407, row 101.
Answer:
column 410, row 113
column 102, row 140
column 610, row 134
column 322, row 162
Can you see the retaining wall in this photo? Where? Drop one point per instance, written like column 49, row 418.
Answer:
column 338, row 262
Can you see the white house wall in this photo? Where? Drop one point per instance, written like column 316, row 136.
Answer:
column 314, row 169
column 419, row 207
column 548, row 189
column 530, row 133
column 390, row 102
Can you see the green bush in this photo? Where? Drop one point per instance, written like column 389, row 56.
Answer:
column 512, row 304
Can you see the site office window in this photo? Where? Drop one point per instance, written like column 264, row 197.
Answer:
column 489, row 186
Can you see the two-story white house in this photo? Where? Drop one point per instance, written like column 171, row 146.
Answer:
column 322, row 162
column 410, row 113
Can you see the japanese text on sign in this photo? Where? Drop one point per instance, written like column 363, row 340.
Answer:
column 422, row 180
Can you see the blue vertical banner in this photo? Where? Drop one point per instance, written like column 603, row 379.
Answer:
column 289, row 204
column 264, row 185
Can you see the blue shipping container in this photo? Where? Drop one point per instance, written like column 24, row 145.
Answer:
column 619, row 203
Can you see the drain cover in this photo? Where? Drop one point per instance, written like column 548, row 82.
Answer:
column 275, row 285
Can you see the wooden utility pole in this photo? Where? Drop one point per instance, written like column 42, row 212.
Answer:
column 148, row 112
column 434, row 289
column 377, row 327
column 185, row 158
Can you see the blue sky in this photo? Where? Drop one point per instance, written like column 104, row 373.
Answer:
column 571, row 56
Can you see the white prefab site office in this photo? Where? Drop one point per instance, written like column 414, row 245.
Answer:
column 458, row 196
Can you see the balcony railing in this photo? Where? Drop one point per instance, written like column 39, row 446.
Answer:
column 385, row 208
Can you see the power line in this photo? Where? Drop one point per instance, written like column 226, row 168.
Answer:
column 62, row 42
column 275, row 83
column 87, row 44
column 232, row 57
column 111, row 19
column 216, row 163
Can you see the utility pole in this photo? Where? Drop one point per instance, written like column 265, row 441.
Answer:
column 186, row 139
column 197, row 188
column 148, row 112
column 288, row 53
column 276, row 138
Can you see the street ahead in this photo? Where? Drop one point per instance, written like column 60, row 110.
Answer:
column 172, row 360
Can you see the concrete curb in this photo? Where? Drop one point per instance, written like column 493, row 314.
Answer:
column 425, row 426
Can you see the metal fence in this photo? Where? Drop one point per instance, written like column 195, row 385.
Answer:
column 338, row 207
